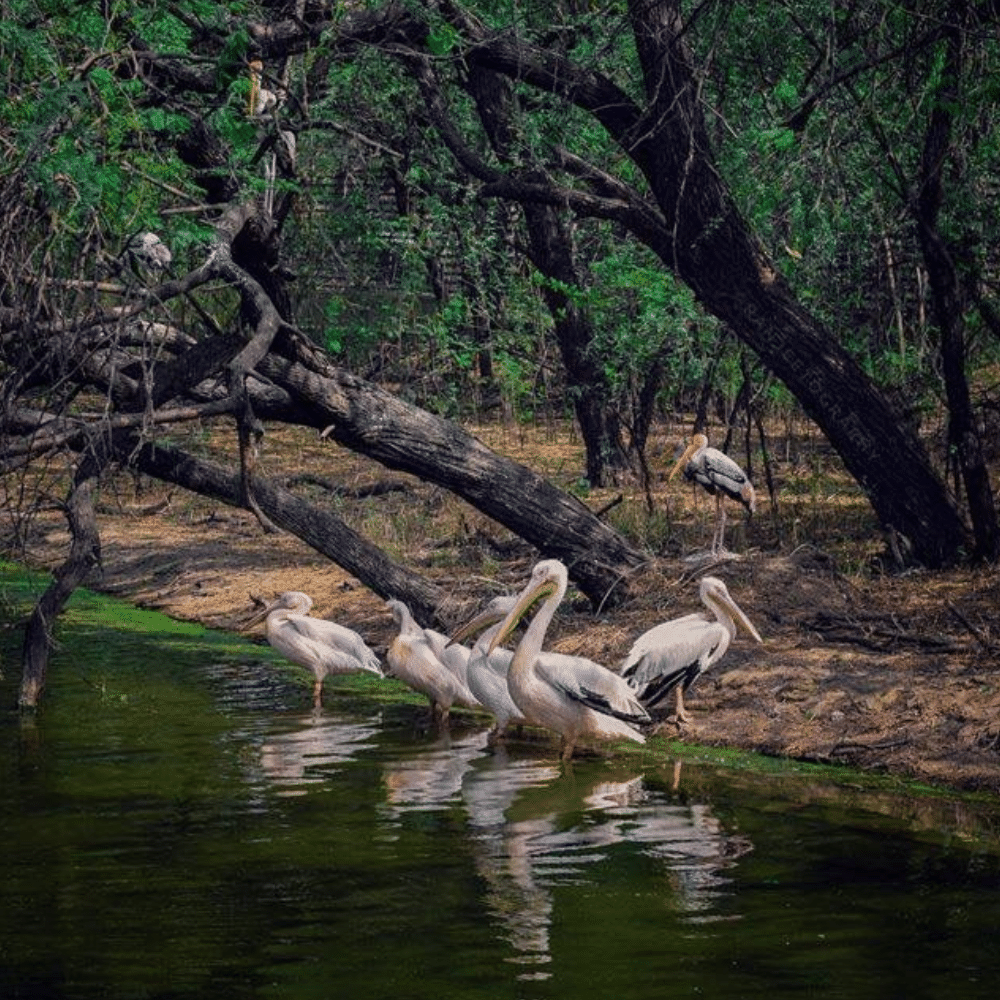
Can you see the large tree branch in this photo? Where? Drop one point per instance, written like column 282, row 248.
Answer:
column 376, row 423
column 84, row 555
column 318, row 528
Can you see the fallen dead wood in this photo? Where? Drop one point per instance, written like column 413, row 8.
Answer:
column 974, row 630
column 880, row 633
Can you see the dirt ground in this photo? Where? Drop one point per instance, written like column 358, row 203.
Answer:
column 898, row 674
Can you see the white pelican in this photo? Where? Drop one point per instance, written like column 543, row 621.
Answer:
column 569, row 695
column 452, row 654
column 487, row 672
column 672, row 655
column 717, row 473
column 322, row 646
column 412, row 659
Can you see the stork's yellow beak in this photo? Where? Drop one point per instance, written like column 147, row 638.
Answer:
column 682, row 461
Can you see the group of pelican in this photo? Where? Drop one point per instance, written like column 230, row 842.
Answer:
column 571, row 696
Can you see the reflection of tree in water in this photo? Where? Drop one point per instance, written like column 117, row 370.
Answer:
column 300, row 757
column 523, row 857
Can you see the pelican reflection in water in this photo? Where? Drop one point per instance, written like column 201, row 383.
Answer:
column 294, row 759
column 430, row 779
column 534, row 829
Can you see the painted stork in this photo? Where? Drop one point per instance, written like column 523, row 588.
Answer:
column 718, row 474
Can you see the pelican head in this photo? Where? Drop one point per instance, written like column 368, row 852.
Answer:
column 698, row 442
column 290, row 600
column 494, row 612
column 547, row 578
column 715, row 595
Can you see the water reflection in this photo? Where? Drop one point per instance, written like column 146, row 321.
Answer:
column 688, row 838
column 526, row 843
column 519, row 904
column 306, row 755
column 190, row 830
column 532, row 826
column 431, row 779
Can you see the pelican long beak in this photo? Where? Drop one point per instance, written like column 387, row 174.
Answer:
column 682, row 461
column 530, row 596
column 738, row 616
column 475, row 625
column 258, row 616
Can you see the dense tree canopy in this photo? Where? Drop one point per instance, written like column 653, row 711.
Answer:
column 610, row 205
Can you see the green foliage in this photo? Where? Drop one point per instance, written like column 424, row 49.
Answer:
column 231, row 64
column 442, row 40
column 161, row 29
column 818, row 133
column 353, row 328
column 643, row 314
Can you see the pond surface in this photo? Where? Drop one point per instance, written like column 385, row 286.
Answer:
column 177, row 822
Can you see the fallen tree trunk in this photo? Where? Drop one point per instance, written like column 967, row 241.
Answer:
column 373, row 422
column 318, row 528
column 85, row 554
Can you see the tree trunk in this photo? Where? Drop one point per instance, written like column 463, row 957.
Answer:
column 551, row 252
column 700, row 236
column 376, row 423
column 712, row 250
column 948, row 302
column 85, row 554
column 323, row 531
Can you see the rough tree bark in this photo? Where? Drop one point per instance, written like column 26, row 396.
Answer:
column 947, row 297
column 376, row 423
column 318, row 528
column 552, row 253
column 85, row 554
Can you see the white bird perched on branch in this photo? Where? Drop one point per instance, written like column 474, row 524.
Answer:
column 569, row 695
column 322, row 646
column 671, row 656
column 413, row 659
column 718, row 474
column 149, row 252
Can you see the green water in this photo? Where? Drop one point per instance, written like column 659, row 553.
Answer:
column 177, row 822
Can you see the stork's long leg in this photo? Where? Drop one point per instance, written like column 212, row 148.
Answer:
column 718, row 538
column 679, row 709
